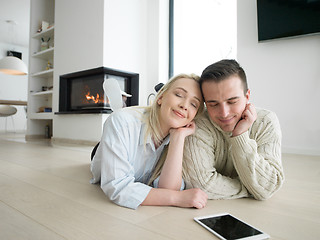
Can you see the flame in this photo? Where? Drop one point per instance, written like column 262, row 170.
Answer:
column 95, row 99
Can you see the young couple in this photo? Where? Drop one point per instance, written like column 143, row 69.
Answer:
column 229, row 150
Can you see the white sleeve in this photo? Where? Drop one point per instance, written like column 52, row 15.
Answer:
column 117, row 173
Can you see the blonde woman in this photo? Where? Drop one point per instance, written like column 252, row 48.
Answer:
column 133, row 140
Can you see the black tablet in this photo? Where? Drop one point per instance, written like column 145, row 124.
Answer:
column 227, row 227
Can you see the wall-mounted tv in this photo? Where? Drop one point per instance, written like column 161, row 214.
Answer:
column 287, row 18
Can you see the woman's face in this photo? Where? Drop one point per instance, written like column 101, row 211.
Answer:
column 179, row 104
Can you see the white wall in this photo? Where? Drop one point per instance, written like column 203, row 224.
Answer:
column 284, row 76
column 206, row 36
column 78, row 46
column 136, row 40
column 78, row 37
column 14, row 88
column 129, row 35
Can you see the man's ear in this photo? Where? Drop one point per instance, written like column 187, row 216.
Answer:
column 247, row 95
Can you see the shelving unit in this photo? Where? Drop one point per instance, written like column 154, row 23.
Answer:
column 45, row 54
column 41, row 116
column 48, row 92
column 41, row 68
column 44, row 74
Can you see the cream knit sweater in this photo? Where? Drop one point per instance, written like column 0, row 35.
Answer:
column 232, row 167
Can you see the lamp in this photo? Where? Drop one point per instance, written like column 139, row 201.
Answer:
column 13, row 66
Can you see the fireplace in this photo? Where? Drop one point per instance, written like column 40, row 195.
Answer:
column 82, row 92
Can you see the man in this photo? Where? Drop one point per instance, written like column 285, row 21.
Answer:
column 236, row 149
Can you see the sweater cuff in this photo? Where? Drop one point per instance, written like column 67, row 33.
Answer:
column 240, row 142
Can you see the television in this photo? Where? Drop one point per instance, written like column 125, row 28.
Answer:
column 287, row 18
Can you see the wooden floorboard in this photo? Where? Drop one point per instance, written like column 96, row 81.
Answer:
column 45, row 194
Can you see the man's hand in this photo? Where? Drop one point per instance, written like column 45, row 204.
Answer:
column 249, row 115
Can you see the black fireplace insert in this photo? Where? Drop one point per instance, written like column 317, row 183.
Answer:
column 82, row 92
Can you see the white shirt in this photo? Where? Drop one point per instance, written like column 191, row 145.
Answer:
column 123, row 163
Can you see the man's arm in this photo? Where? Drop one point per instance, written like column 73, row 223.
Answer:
column 203, row 154
column 257, row 158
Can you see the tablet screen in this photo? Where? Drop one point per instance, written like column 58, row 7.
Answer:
column 229, row 227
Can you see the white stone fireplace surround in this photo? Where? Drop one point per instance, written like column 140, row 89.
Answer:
column 84, row 126
column 85, row 129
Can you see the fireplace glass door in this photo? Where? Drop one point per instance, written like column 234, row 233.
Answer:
column 82, row 92
column 87, row 93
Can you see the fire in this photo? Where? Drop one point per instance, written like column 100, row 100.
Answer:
column 95, row 99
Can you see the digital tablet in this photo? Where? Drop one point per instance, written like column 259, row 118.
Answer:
column 227, row 227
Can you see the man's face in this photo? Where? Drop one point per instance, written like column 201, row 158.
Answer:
column 225, row 101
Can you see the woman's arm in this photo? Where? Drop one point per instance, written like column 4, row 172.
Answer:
column 171, row 173
column 167, row 197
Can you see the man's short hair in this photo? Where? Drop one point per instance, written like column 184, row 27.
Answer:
column 222, row 70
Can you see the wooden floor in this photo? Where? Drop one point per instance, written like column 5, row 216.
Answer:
column 45, row 194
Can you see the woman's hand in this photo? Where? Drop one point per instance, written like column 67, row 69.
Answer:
column 193, row 197
column 183, row 131
column 189, row 198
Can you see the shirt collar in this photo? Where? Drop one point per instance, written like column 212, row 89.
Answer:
column 143, row 132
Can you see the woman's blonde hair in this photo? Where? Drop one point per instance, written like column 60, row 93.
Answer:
column 152, row 112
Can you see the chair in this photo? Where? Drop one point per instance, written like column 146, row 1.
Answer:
column 8, row 111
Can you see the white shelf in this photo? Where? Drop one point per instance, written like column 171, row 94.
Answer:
column 44, row 74
column 46, row 33
column 42, row 115
column 45, row 54
column 49, row 92
column 42, row 10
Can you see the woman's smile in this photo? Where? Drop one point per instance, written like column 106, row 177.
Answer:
column 179, row 114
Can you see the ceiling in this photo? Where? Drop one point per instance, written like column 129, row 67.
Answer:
column 16, row 31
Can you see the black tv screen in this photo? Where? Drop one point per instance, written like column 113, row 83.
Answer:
column 287, row 18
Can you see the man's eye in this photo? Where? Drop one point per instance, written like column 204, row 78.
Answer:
column 233, row 102
column 178, row 95
column 213, row 105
